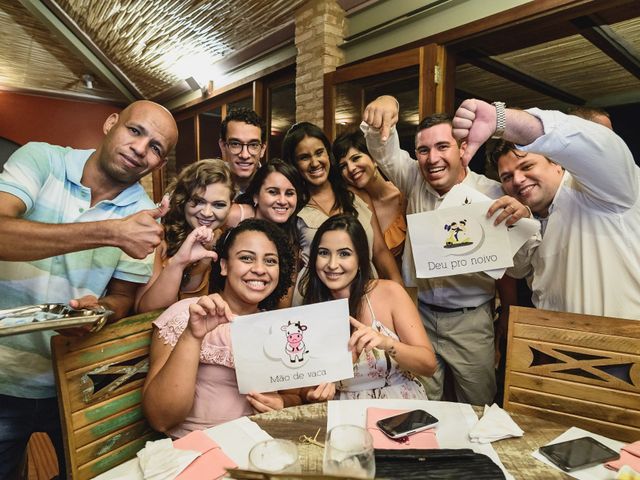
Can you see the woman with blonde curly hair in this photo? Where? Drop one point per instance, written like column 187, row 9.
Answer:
column 201, row 199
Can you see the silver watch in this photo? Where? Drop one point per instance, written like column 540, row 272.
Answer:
column 501, row 119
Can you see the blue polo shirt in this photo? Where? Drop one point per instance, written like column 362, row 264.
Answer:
column 47, row 179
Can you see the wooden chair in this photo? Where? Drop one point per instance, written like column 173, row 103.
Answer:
column 579, row 370
column 99, row 379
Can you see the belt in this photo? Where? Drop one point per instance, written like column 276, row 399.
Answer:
column 436, row 308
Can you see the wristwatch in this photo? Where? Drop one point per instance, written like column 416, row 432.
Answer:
column 501, row 119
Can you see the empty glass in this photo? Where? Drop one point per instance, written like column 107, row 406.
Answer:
column 275, row 456
column 348, row 451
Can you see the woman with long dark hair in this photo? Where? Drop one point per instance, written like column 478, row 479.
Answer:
column 276, row 193
column 389, row 343
column 353, row 160
column 307, row 148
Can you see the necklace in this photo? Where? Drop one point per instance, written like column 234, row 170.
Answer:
column 317, row 205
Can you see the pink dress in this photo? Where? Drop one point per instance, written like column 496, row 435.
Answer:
column 216, row 399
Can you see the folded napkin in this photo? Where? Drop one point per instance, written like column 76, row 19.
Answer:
column 159, row 460
column 212, row 464
column 495, row 424
column 420, row 440
column 629, row 455
column 627, row 473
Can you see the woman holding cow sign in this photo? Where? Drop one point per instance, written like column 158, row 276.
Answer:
column 388, row 341
column 191, row 384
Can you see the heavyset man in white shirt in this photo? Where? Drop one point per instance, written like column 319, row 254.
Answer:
column 456, row 311
column 580, row 179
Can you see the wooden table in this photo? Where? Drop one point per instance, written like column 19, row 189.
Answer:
column 515, row 453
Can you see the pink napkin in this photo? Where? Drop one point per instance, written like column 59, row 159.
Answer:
column 212, row 464
column 424, row 439
column 629, row 455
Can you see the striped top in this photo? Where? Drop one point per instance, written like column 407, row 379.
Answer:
column 47, row 179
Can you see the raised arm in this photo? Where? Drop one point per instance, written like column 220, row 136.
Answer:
column 378, row 125
column 164, row 286
column 595, row 156
column 167, row 396
column 24, row 240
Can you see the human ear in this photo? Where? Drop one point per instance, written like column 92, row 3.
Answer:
column 223, row 267
column 110, row 122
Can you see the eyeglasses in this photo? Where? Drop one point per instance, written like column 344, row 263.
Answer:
column 236, row 147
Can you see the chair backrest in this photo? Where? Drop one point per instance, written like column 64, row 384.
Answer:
column 99, row 379
column 579, row 370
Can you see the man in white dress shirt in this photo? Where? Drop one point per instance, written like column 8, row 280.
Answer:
column 457, row 311
column 580, row 179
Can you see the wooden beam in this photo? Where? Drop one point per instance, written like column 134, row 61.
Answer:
column 481, row 60
column 610, row 43
column 61, row 25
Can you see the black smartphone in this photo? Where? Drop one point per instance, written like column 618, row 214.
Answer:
column 406, row 423
column 579, row 453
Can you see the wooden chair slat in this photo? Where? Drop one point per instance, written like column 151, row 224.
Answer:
column 97, row 430
column 112, row 459
column 559, row 387
column 106, row 444
column 107, row 408
column 591, row 340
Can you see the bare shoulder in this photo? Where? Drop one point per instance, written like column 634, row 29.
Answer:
column 382, row 288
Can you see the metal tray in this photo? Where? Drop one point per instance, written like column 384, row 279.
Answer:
column 49, row 316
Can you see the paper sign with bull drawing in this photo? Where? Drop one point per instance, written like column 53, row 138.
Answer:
column 293, row 347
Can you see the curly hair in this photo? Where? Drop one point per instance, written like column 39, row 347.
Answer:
column 297, row 133
column 192, row 179
column 314, row 290
column 245, row 115
column 286, row 261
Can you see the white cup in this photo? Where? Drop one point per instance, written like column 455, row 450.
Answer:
column 275, row 456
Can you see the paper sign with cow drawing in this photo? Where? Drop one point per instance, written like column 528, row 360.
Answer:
column 452, row 241
column 293, row 347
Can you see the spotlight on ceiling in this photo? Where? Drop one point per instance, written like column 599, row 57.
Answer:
column 87, row 80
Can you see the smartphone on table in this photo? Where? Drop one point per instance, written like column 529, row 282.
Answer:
column 406, row 423
column 579, row 453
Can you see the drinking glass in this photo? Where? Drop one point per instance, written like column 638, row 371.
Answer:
column 348, row 451
column 275, row 456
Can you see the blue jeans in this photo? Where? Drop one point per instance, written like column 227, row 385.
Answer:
column 19, row 418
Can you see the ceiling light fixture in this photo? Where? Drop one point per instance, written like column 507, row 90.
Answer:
column 87, row 80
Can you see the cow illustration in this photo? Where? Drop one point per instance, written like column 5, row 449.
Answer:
column 295, row 347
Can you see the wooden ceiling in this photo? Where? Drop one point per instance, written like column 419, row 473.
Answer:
column 133, row 48
column 574, row 58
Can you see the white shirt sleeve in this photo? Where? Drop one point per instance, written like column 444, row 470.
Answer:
column 395, row 163
column 596, row 157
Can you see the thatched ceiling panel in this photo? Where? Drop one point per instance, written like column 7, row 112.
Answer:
column 161, row 42
column 33, row 58
column 488, row 86
column 573, row 65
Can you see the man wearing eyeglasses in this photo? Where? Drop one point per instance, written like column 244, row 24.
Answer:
column 243, row 143
column 456, row 310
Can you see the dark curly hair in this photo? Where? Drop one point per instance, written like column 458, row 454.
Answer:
column 191, row 179
column 311, row 286
column 246, row 115
column 286, row 260
column 344, row 197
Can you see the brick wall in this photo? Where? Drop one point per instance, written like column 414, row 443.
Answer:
column 320, row 28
